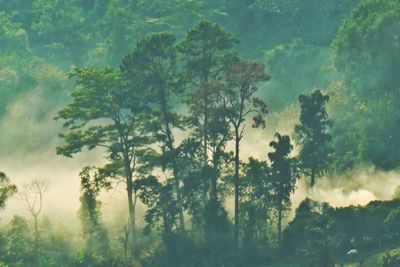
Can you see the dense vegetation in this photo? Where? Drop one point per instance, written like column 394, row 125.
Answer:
column 167, row 92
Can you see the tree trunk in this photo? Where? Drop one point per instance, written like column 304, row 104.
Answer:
column 279, row 223
column 214, row 195
column 214, row 177
column 132, row 218
column 131, row 203
column 170, row 145
column 312, row 177
column 236, row 229
column 179, row 198
column 36, row 234
column 126, row 240
column 205, row 130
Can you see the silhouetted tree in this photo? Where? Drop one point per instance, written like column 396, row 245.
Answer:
column 283, row 176
column 152, row 64
column 313, row 134
column 204, row 51
column 239, row 101
column 108, row 112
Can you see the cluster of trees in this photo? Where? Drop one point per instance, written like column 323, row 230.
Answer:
column 200, row 89
column 42, row 39
column 321, row 233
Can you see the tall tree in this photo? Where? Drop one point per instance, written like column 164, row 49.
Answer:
column 313, row 134
column 240, row 101
column 153, row 64
column 107, row 112
column 283, row 175
column 204, row 50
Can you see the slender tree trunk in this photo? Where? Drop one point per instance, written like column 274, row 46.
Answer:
column 171, row 148
column 312, row 177
column 236, row 229
column 280, row 222
column 214, row 177
column 214, row 195
column 132, row 217
column 36, row 234
column 205, row 130
column 131, row 202
column 126, row 240
column 179, row 198
column 326, row 256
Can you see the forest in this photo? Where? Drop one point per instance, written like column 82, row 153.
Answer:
column 199, row 133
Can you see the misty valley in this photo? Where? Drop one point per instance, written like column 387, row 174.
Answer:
column 201, row 133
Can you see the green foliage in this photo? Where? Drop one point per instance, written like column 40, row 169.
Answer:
column 12, row 37
column 152, row 65
column 367, row 54
column 204, row 47
column 365, row 43
column 392, row 222
column 7, row 189
column 57, row 25
column 95, row 234
column 391, row 259
column 317, row 227
column 18, row 245
column 288, row 77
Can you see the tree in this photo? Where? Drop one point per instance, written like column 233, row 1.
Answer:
column 204, row 50
column 32, row 196
column 308, row 234
column 153, row 64
column 283, row 174
column 108, row 112
column 313, row 134
column 161, row 212
column 239, row 101
column 7, row 189
column 256, row 203
column 89, row 213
